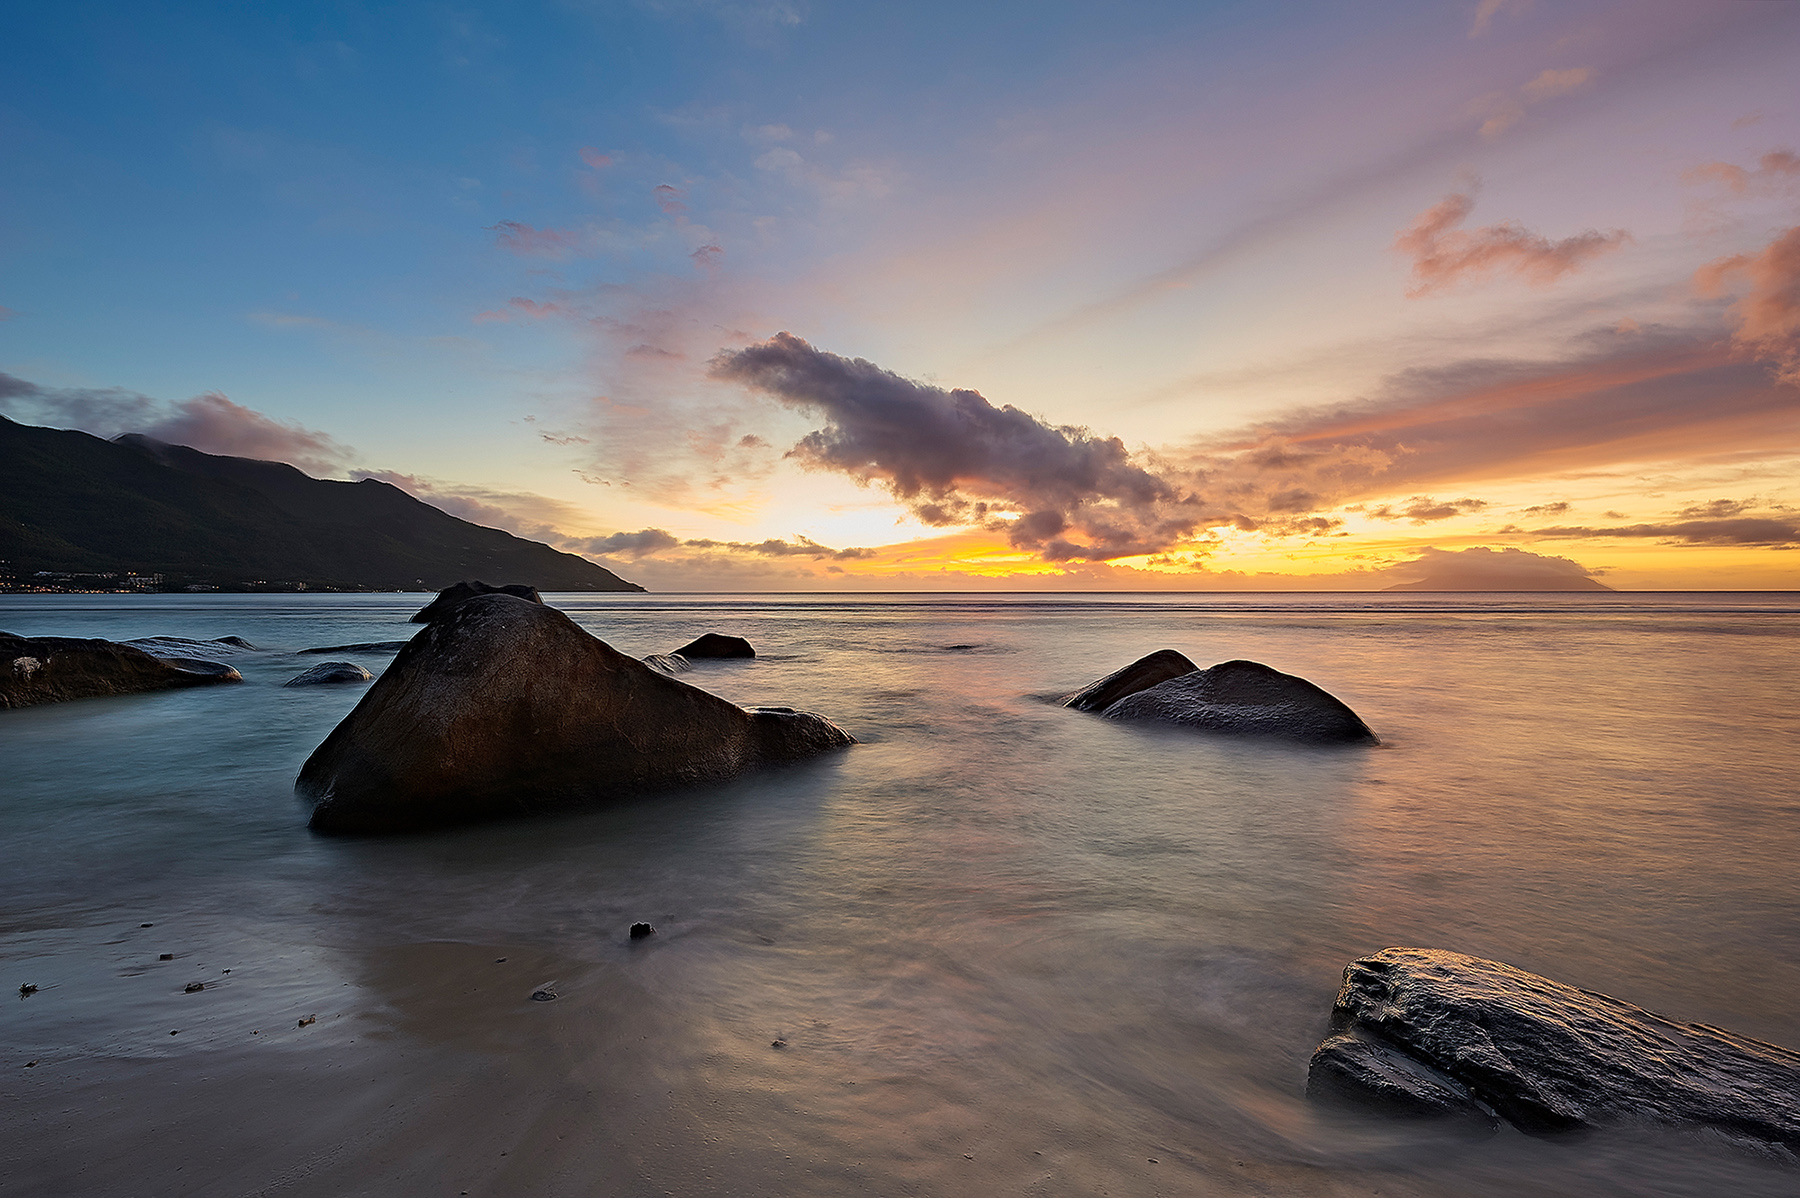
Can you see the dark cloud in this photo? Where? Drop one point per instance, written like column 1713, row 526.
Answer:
column 1442, row 253
column 626, row 544
column 210, row 422
column 1547, row 509
column 798, row 547
column 956, row 459
column 1743, row 530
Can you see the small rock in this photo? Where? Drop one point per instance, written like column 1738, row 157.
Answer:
column 641, row 930
column 309, row 1021
column 778, row 1044
column 176, row 1032
column 27, row 990
column 499, row 960
column 166, row 957
column 545, row 995
column 712, row 644
column 194, row 987
column 31, row 1064
column 328, row 672
column 146, row 925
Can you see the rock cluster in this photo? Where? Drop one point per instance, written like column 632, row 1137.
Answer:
column 1425, row 1032
column 1244, row 697
column 52, row 669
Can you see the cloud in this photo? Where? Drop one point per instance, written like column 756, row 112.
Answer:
column 594, row 158
column 1443, row 254
column 536, row 517
column 1742, row 531
column 1422, row 509
column 669, row 198
column 1487, row 10
column 1768, row 314
column 6, row 313
column 954, row 458
column 1773, row 172
column 210, row 422
column 798, row 547
column 1547, row 509
column 528, row 242
column 1500, row 111
column 627, row 544
column 1484, row 569
column 1550, row 84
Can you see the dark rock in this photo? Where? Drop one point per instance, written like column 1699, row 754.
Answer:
column 329, row 672
column 712, row 644
column 362, row 647
column 505, row 706
column 194, row 987
column 1424, row 1029
column 307, row 1022
column 166, row 957
column 668, row 663
column 181, row 648
column 1249, row 698
column 27, row 990
column 1159, row 666
column 641, row 930
column 544, row 995
column 52, row 669
column 462, row 592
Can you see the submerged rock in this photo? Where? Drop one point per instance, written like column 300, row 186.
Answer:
column 1246, row 697
column 1424, row 1031
column 504, row 705
column 713, row 644
column 448, row 598
column 328, row 672
column 1145, row 672
column 53, row 669
column 181, row 648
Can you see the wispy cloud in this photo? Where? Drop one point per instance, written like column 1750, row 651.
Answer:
column 1500, row 111
column 1487, row 10
column 1443, row 254
column 528, row 242
column 1775, row 171
column 210, row 422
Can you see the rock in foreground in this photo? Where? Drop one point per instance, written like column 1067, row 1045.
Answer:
column 1423, row 1031
column 52, row 669
column 503, row 705
column 1141, row 674
column 328, row 673
column 1243, row 697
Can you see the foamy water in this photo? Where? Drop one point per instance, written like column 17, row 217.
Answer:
column 1007, row 946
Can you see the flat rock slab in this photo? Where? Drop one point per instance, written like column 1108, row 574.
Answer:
column 1428, row 1032
column 1145, row 672
column 53, row 669
column 668, row 663
column 360, row 647
column 503, row 705
column 328, row 673
column 181, row 648
column 713, row 644
column 1247, row 698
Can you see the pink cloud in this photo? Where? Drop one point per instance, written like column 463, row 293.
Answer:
column 669, row 198
column 1768, row 315
column 594, row 158
column 1442, row 253
column 1773, row 170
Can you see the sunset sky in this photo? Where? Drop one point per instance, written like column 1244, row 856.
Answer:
column 757, row 294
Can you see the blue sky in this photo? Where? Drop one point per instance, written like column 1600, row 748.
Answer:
column 493, row 253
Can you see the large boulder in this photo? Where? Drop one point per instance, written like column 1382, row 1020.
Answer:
column 713, row 644
column 503, row 705
column 51, row 669
column 1423, row 1031
column 329, row 673
column 1141, row 674
column 1249, row 698
column 456, row 593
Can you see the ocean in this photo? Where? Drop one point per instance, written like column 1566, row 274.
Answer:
column 998, row 947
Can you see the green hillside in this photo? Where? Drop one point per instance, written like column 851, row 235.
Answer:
column 74, row 503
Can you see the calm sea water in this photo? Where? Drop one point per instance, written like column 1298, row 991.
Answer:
column 1007, row 947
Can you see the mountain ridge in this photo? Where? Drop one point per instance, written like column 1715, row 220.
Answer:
column 75, row 504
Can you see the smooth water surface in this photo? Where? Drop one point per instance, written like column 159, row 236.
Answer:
column 1005, row 946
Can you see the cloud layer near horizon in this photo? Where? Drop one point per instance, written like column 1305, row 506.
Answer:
column 209, row 422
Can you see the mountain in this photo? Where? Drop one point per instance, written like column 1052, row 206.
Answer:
column 74, row 503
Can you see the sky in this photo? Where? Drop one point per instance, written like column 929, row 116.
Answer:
column 800, row 295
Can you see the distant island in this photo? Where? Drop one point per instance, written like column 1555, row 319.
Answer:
column 78, row 512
